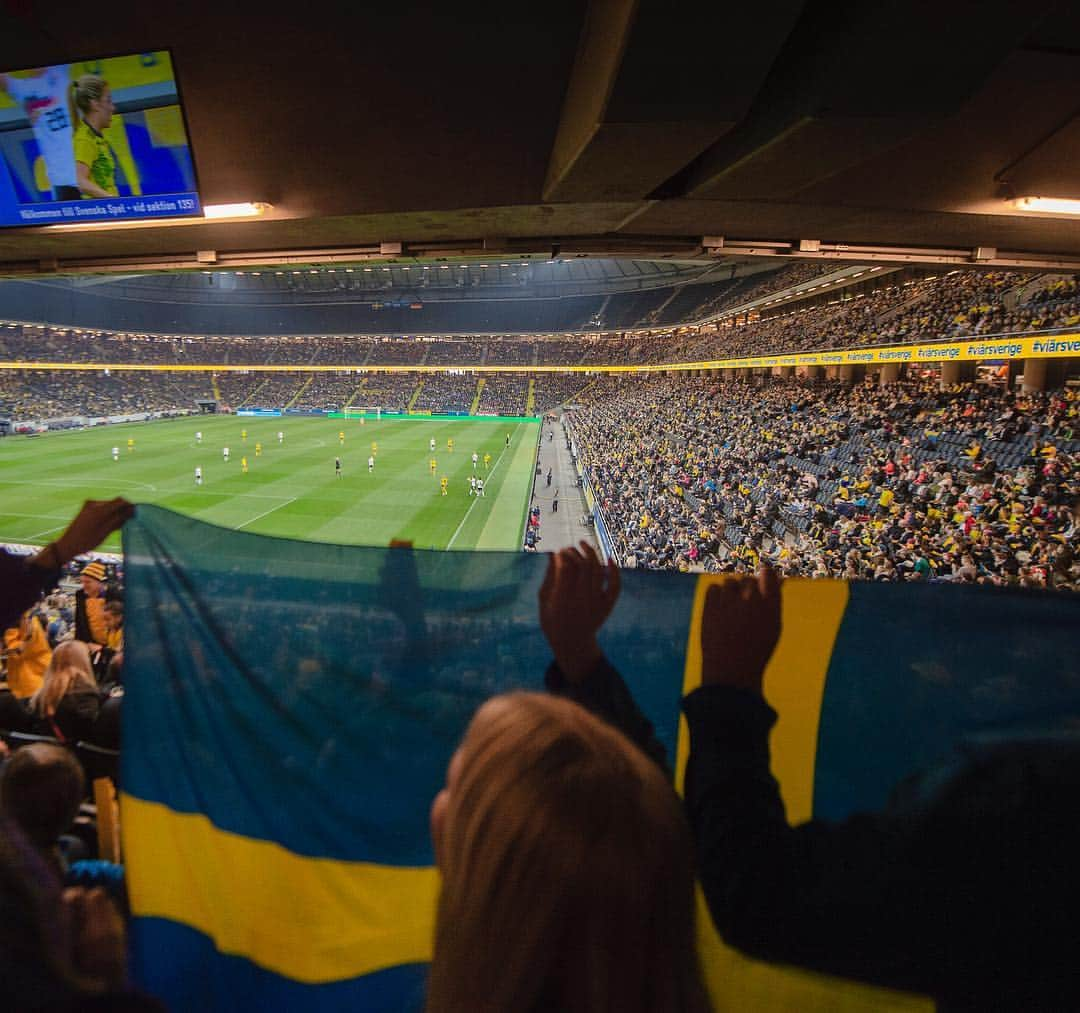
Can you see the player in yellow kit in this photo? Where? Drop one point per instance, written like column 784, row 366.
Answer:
column 443, row 483
column 258, row 449
column 341, row 437
column 243, row 465
column 450, row 445
column 487, row 460
column 374, row 449
column 243, row 435
column 432, row 465
column 131, row 445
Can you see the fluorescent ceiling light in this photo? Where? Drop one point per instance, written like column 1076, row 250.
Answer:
column 1048, row 205
column 244, row 209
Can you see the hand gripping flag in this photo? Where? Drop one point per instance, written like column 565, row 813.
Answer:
column 291, row 709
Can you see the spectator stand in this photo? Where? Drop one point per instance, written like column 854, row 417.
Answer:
column 595, row 516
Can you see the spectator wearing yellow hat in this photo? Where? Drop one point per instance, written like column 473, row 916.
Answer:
column 90, row 626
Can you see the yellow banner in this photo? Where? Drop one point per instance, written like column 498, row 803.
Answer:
column 1042, row 347
column 970, row 350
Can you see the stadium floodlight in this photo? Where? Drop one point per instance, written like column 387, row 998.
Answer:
column 243, row 209
column 1048, row 205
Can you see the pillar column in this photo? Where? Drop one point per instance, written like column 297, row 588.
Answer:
column 813, row 372
column 890, row 373
column 1034, row 375
column 853, row 373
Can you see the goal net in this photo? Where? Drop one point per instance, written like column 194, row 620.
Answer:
column 360, row 412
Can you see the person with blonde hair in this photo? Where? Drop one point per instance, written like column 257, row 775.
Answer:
column 95, row 163
column 67, row 703
column 566, row 860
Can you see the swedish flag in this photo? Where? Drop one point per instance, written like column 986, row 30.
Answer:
column 291, row 709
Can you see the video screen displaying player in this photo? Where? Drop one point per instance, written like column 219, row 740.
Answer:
column 44, row 95
column 100, row 139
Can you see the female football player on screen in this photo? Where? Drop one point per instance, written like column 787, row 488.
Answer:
column 95, row 164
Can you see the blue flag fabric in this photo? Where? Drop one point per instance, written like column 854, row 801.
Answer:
column 291, row 709
column 307, row 698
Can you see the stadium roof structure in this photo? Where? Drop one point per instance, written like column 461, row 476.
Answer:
column 492, row 278
column 898, row 130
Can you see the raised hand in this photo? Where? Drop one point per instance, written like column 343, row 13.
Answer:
column 740, row 628
column 96, row 520
column 96, row 931
column 576, row 598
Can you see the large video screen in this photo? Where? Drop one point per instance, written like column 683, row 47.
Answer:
column 100, row 140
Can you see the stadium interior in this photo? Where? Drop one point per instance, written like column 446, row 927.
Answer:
column 756, row 285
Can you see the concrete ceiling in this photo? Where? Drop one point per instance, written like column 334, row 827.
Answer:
column 896, row 128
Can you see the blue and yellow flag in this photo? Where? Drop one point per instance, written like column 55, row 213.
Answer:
column 291, row 709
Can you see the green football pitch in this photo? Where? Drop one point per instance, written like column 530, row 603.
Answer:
column 290, row 489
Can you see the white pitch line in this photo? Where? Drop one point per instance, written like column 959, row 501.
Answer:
column 475, row 500
column 177, row 489
column 68, row 483
column 265, row 512
column 47, row 531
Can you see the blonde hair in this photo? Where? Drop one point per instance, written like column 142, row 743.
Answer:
column 86, row 89
column 568, row 874
column 69, row 670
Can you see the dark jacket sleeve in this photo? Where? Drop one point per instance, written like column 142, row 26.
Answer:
column 603, row 693
column 21, row 585
column 842, row 898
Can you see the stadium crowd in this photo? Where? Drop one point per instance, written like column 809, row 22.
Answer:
column 511, row 352
column 902, row 308
column 579, row 785
column 553, row 389
column 503, row 394
column 758, row 286
column 327, row 391
column 901, row 482
column 391, row 391
column 44, row 394
column 462, row 352
column 446, row 392
column 956, row 305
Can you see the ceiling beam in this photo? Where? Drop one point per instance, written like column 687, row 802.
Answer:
column 648, row 92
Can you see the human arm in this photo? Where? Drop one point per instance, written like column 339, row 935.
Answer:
column 14, row 641
column 836, row 897
column 14, row 87
column 93, row 523
column 23, row 581
column 97, row 935
column 576, row 597
column 87, row 187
